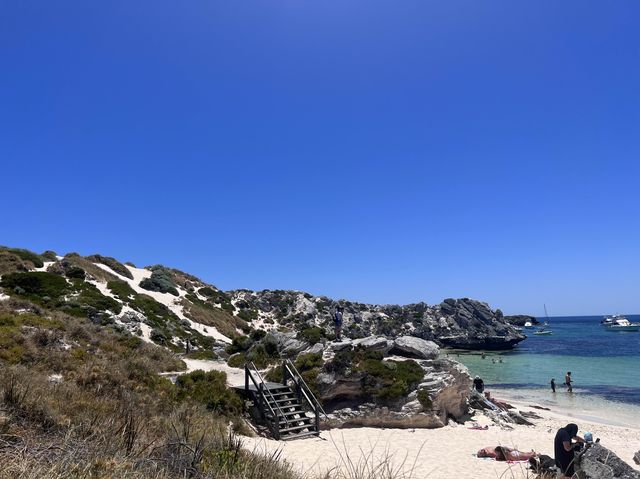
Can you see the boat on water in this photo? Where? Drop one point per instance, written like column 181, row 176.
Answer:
column 617, row 322
column 543, row 332
column 528, row 324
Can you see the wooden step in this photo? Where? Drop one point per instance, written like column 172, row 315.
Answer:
column 300, row 435
column 295, row 420
column 272, row 401
column 297, row 428
column 283, row 393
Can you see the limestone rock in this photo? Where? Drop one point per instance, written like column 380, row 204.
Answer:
column 317, row 348
column 598, row 462
column 287, row 343
column 412, row 347
column 374, row 343
column 340, row 345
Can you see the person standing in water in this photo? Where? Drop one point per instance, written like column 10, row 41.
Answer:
column 553, row 385
column 567, row 381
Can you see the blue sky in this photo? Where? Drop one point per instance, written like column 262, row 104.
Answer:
column 386, row 152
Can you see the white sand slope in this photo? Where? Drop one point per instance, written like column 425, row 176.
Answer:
column 235, row 376
column 170, row 301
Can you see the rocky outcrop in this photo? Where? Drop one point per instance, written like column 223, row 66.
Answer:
column 413, row 347
column 374, row 343
column 598, row 462
column 287, row 343
column 636, row 458
column 371, row 382
column 457, row 323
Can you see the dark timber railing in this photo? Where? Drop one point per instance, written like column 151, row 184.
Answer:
column 303, row 391
column 265, row 400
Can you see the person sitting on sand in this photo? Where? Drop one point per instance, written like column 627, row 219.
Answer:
column 502, row 453
column 563, row 448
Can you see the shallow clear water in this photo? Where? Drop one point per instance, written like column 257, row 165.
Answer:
column 604, row 365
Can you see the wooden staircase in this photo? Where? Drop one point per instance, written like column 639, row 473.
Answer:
column 288, row 409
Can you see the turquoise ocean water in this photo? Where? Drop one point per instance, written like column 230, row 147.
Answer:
column 605, row 367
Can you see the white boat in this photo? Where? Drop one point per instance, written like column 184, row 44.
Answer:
column 618, row 322
column 528, row 324
column 543, row 332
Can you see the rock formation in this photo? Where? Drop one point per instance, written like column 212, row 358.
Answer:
column 401, row 383
column 598, row 462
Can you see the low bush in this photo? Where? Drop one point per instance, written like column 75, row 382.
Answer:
column 49, row 255
column 26, row 255
column 160, row 281
column 306, row 362
column 237, row 360
column 240, row 344
column 210, row 389
column 390, row 380
column 121, row 290
column 312, row 335
column 425, row 399
column 112, row 263
column 36, row 285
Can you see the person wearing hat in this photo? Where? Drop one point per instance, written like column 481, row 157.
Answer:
column 563, row 448
column 478, row 384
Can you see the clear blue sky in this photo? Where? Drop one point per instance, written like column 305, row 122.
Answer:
column 380, row 151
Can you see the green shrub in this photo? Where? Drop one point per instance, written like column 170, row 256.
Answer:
column 425, row 399
column 210, row 389
column 207, row 291
column 160, row 281
column 49, row 255
column 90, row 296
column 37, row 284
column 390, row 380
column 121, row 290
column 306, row 362
column 112, row 263
column 274, row 375
column 312, row 335
column 75, row 272
column 237, row 360
column 240, row 344
column 248, row 314
column 258, row 334
column 26, row 255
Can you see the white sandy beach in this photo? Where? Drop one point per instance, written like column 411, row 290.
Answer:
column 440, row 453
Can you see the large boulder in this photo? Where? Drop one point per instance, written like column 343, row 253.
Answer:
column 340, row 345
column 636, row 458
column 287, row 343
column 374, row 343
column 598, row 462
column 412, row 347
column 448, row 384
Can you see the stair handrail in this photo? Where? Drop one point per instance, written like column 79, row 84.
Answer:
column 313, row 401
column 261, row 390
